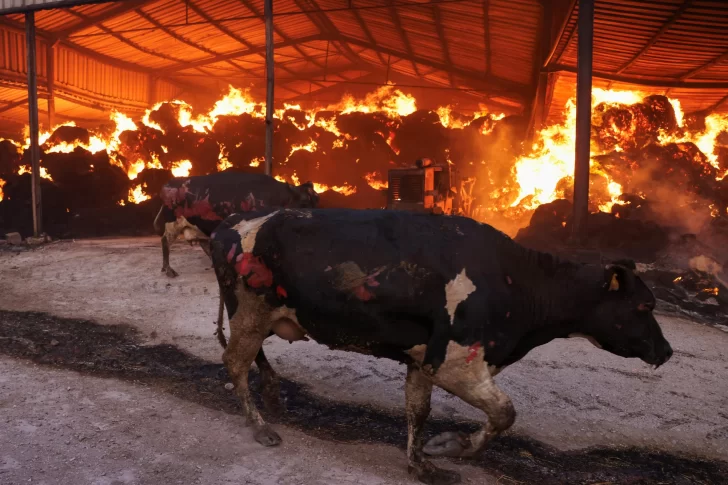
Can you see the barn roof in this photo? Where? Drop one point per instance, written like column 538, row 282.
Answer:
column 130, row 54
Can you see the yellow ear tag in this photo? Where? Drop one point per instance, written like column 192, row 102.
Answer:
column 614, row 284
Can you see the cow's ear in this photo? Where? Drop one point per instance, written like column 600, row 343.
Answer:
column 618, row 278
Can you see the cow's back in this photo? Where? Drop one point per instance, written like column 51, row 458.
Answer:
column 384, row 272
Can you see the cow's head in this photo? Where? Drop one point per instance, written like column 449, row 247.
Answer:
column 622, row 322
column 304, row 195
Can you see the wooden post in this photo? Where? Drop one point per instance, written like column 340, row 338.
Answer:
column 33, row 122
column 269, row 97
column 583, row 119
column 50, row 83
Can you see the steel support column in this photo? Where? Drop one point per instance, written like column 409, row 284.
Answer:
column 50, row 76
column 583, row 119
column 269, row 82
column 33, row 122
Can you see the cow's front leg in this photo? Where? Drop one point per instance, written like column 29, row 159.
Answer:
column 418, row 390
column 465, row 374
column 166, row 268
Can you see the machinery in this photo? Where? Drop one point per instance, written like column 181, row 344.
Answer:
column 428, row 187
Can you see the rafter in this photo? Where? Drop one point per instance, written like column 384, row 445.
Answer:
column 128, row 42
column 403, row 35
column 707, row 65
column 437, row 17
column 184, row 40
column 14, row 104
column 115, row 10
column 718, row 104
column 367, row 33
column 280, row 33
column 664, row 28
column 568, row 14
column 493, row 83
column 661, row 82
column 229, row 32
column 326, row 26
column 239, row 53
column 486, row 35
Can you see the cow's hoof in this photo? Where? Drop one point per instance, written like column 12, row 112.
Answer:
column 266, row 436
column 428, row 473
column 450, row 443
column 170, row 272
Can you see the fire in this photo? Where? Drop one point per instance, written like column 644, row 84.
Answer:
column 373, row 182
column 553, row 156
column 2, row 184
column 387, row 99
column 257, row 161
column 309, row 147
column 345, row 189
column 704, row 140
column 136, row 195
column 43, row 172
column 181, row 168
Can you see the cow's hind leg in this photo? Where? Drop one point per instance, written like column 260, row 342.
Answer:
column 248, row 328
column 166, row 268
column 270, row 384
column 418, row 390
column 465, row 374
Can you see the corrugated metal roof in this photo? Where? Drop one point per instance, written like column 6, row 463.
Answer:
column 488, row 50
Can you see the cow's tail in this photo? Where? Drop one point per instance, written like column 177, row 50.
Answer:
column 158, row 226
column 220, row 312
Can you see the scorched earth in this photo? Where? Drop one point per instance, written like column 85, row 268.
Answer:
column 119, row 380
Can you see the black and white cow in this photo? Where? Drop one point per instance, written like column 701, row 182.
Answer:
column 194, row 206
column 455, row 300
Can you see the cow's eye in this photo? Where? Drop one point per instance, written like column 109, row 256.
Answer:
column 645, row 307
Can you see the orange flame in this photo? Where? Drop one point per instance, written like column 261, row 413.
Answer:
column 136, row 195
column 181, row 168
column 2, row 184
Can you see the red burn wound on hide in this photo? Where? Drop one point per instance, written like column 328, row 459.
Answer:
column 362, row 293
column 508, row 314
column 509, row 280
column 231, row 253
column 256, row 271
column 281, row 292
column 472, row 352
column 491, row 344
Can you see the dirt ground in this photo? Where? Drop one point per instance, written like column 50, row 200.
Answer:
column 135, row 395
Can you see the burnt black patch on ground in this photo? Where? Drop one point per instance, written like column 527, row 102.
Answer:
column 119, row 352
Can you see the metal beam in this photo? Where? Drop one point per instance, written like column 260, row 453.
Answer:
column 405, row 40
column 326, row 26
column 486, row 36
column 705, row 66
column 497, row 85
column 437, row 16
column 237, row 54
column 183, row 39
column 664, row 28
column 14, row 104
column 249, row 5
column 233, row 35
column 557, row 39
column 583, row 119
column 30, row 45
column 269, row 85
column 657, row 82
column 50, row 83
column 117, row 9
column 368, row 33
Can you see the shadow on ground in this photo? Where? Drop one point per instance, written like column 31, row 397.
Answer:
column 119, row 352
